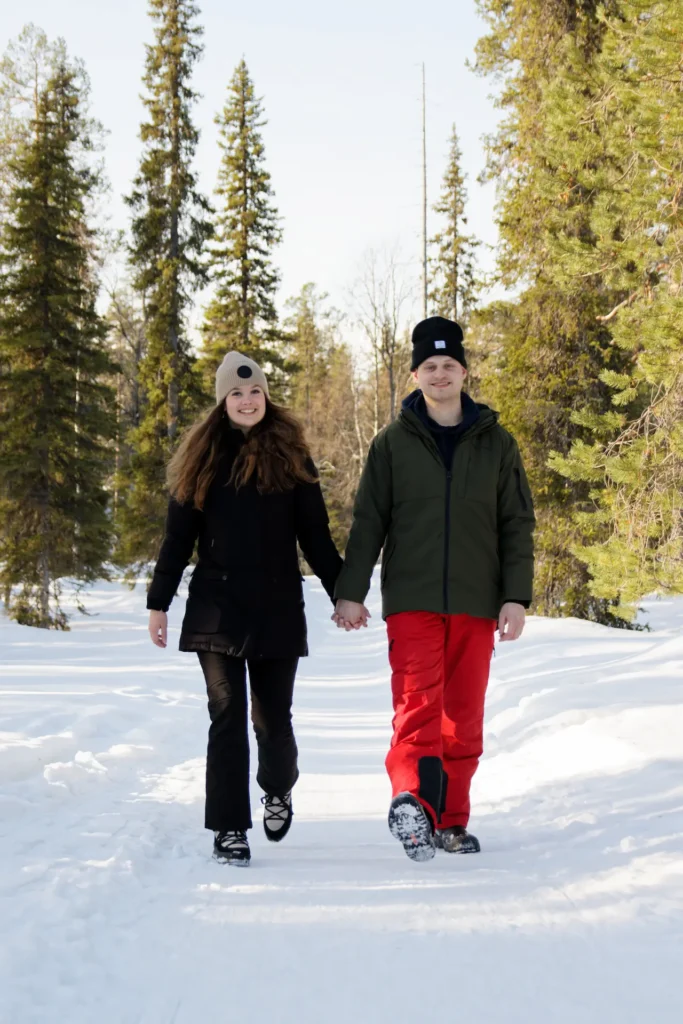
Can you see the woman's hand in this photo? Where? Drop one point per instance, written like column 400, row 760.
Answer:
column 350, row 615
column 158, row 627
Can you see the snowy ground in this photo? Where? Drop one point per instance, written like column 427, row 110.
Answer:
column 112, row 912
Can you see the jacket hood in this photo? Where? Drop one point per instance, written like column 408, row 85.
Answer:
column 477, row 417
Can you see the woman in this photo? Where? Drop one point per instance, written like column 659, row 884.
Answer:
column 244, row 486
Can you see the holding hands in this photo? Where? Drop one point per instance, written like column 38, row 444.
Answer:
column 350, row 615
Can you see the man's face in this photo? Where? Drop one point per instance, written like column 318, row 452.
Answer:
column 440, row 378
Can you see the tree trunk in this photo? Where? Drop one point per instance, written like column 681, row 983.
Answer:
column 117, row 447
column 357, row 427
column 173, row 339
column 245, row 231
column 173, row 414
column 44, row 506
column 44, row 555
column 377, row 382
column 455, row 271
column 44, row 576
column 392, row 390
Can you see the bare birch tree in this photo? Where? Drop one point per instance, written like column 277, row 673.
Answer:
column 381, row 300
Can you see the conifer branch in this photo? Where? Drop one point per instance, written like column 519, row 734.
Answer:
column 627, row 302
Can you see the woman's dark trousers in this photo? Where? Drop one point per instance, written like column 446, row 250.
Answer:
column 228, row 807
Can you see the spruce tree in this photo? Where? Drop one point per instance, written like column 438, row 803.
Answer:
column 127, row 344
column 26, row 67
column 333, row 433
column 551, row 345
column 452, row 270
column 55, row 418
column 242, row 314
column 321, row 391
column 311, row 328
column 170, row 229
column 633, row 461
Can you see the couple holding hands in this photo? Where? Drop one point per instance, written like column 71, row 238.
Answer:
column 443, row 495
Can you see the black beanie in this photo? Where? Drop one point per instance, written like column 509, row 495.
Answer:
column 437, row 336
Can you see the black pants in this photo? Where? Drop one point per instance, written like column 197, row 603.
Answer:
column 228, row 806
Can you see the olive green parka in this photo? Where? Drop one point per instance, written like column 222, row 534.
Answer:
column 455, row 540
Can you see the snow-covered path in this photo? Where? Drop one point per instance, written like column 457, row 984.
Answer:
column 112, row 912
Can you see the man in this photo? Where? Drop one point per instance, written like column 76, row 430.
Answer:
column 444, row 493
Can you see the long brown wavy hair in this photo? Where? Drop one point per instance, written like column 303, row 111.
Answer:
column 275, row 452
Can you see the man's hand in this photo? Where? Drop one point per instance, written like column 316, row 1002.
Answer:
column 158, row 628
column 511, row 621
column 350, row 615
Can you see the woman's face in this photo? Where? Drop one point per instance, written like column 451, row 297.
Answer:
column 246, row 406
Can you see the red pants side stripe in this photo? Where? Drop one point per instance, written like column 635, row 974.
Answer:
column 440, row 669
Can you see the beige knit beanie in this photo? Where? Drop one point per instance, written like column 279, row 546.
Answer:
column 237, row 371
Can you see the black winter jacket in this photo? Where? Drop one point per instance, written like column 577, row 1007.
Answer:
column 457, row 540
column 245, row 595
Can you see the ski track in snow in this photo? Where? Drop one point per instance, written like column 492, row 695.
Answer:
column 112, row 911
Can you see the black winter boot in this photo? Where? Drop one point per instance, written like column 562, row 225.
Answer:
column 232, row 848
column 277, row 816
column 412, row 826
column 456, row 840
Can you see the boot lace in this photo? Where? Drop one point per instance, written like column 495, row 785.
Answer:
column 231, row 841
column 276, row 808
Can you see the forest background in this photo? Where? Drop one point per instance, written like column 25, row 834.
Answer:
column 110, row 332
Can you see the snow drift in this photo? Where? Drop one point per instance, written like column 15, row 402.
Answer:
column 113, row 912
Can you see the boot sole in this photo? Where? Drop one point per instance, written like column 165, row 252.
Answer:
column 463, row 850
column 277, row 837
column 232, row 863
column 471, row 845
column 408, row 822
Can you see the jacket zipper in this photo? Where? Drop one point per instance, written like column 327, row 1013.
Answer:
column 447, row 538
column 449, row 478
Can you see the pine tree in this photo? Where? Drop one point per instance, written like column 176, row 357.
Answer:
column 551, row 345
column 55, row 420
column 453, row 280
column 242, row 314
column 634, row 460
column 170, row 228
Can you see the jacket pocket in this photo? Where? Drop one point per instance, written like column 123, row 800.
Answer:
column 518, row 479
column 283, row 589
column 387, row 555
column 202, row 614
column 475, row 470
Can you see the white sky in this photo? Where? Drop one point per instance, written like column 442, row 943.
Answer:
column 341, row 86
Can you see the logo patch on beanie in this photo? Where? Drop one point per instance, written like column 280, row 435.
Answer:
column 439, row 344
column 244, row 372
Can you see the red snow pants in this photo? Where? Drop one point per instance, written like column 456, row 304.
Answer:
column 440, row 670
